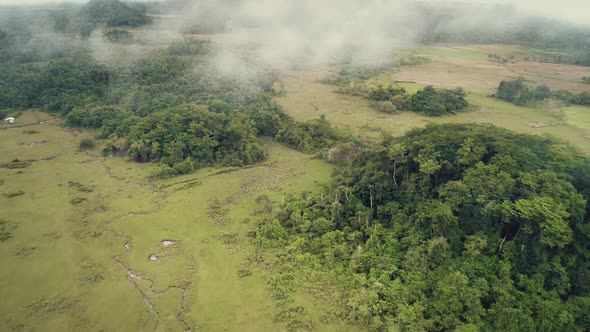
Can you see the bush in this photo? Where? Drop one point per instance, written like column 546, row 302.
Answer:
column 542, row 92
column 581, row 99
column 434, row 102
column 383, row 93
column 387, row 107
column 185, row 167
column 5, row 230
column 16, row 164
column 87, row 144
column 117, row 35
column 77, row 200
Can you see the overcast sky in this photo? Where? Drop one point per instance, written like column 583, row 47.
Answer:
column 571, row 10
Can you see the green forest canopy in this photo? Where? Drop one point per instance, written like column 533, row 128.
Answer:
column 452, row 227
column 164, row 108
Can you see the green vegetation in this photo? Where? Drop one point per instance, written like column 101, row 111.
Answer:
column 79, row 187
column 90, row 279
column 428, row 101
column 87, row 144
column 586, row 80
column 434, row 102
column 351, row 73
column 78, row 200
column 16, row 164
column 159, row 110
column 117, row 35
column 450, row 227
column 518, row 93
column 212, row 206
column 112, row 13
column 6, row 229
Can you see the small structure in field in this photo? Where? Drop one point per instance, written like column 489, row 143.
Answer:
column 153, row 257
column 9, row 120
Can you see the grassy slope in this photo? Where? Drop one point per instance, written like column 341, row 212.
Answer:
column 307, row 99
column 67, row 268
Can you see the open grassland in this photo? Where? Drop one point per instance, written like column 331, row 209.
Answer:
column 78, row 230
column 469, row 67
column 306, row 98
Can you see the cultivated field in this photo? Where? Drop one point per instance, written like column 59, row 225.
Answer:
column 79, row 233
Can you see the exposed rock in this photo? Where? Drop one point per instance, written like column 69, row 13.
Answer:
column 167, row 243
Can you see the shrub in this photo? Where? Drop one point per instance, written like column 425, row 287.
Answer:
column 117, row 35
column 434, row 102
column 87, row 144
column 77, row 200
column 515, row 91
column 185, row 167
column 387, row 107
column 5, row 230
column 78, row 186
column 16, row 164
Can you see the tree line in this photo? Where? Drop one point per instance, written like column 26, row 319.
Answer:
column 519, row 93
column 428, row 101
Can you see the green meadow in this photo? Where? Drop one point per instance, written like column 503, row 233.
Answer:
column 78, row 231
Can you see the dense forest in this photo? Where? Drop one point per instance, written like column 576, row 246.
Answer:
column 452, row 227
column 166, row 107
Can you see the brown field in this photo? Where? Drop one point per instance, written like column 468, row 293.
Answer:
column 469, row 67
column 307, row 99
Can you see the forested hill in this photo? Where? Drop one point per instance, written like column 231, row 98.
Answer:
column 452, row 227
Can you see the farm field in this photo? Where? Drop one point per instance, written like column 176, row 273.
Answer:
column 80, row 231
column 466, row 67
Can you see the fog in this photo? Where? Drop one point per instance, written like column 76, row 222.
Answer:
column 576, row 11
column 307, row 32
column 310, row 32
column 284, row 34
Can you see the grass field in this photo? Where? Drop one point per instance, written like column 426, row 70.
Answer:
column 78, row 233
column 306, row 98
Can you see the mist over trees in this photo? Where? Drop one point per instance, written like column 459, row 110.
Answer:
column 468, row 23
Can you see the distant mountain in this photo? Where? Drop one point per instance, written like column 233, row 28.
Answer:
column 113, row 13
